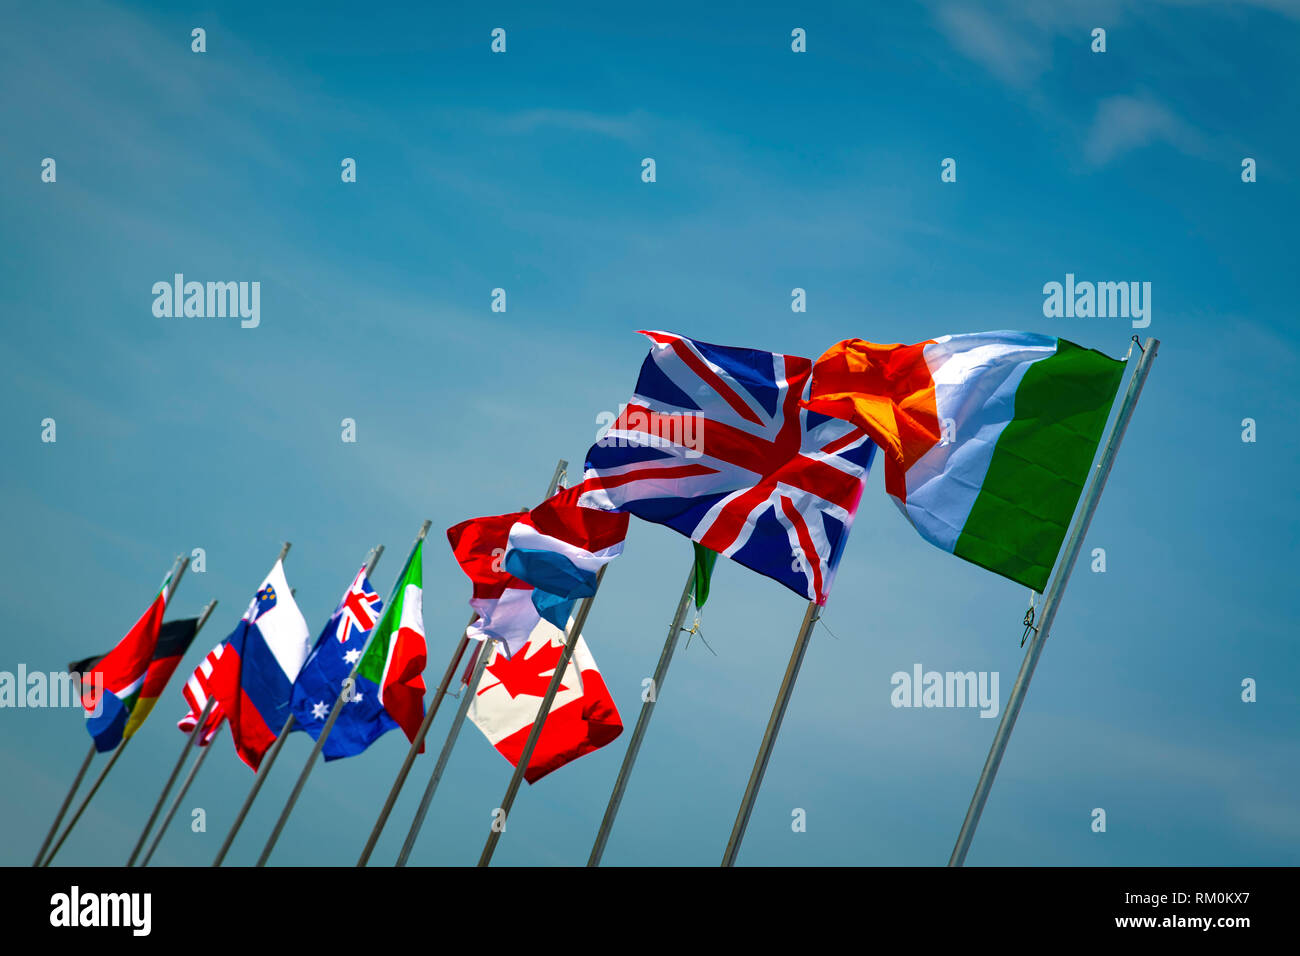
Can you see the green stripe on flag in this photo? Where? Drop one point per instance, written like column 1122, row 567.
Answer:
column 1040, row 464
column 704, row 562
column 376, row 656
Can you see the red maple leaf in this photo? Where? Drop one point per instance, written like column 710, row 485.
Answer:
column 523, row 673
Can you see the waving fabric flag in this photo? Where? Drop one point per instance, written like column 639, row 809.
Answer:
column 988, row 437
column 394, row 663
column 196, row 692
column 253, row 678
column 362, row 719
column 714, row 445
column 123, row 671
column 559, row 547
column 582, row 718
column 504, row 604
column 174, row 639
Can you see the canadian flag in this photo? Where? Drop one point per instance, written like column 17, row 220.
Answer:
column 583, row 717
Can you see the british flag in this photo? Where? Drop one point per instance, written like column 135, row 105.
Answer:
column 360, row 609
column 714, row 445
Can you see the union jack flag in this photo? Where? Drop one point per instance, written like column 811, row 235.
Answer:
column 714, row 445
column 196, row 695
column 360, row 609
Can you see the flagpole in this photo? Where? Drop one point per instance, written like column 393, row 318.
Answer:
column 267, row 762
column 180, row 795
column 67, row 801
column 507, row 802
column 190, row 741
column 413, row 751
column 1051, row 602
column 467, row 695
column 344, row 695
column 769, row 737
column 174, row 574
column 180, row 760
column 643, row 720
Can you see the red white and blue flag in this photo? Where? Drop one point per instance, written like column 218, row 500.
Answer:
column 253, row 678
column 504, row 603
column 560, row 546
column 196, row 692
column 714, row 445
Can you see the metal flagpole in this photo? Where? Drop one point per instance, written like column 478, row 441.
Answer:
column 643, row 720
column 174, row 574
column 67, row 801
column 467, row 695
column 344, row 695
column 180, row 796
column 267, row 762
column 769, row 736
column 1050, row 603
column 507, row 802
column 180, row 760
column 450, row 674
column 81, row 809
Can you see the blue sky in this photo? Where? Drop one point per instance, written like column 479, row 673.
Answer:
column 775, row 170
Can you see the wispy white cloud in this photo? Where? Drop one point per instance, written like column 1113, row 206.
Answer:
column 1124, row 123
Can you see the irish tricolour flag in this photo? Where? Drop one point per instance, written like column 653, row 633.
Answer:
column 987, row 437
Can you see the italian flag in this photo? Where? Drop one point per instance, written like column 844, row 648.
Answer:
column 396, row 655
column 988, row 437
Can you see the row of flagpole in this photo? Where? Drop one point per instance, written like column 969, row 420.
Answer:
column 767, row 744
column 173, row 579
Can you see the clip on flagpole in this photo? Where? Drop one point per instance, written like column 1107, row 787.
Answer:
column 171, row 582
column 643, row 719
column 1051, row 601
column 448, row 676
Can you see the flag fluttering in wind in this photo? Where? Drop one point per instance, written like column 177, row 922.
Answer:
column 174, row 639
column 714, row 445
column 253, row 679
column 197, row 691
column 393, row 664
column 703, row 574
column 582, row 717
column 988, row 437
column 504, row 604
column 123, row 671
column 362, row 719
column 560, row 546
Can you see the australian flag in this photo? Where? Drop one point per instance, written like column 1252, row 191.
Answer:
column 363, row 718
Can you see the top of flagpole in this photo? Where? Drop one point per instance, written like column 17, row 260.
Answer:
column 284, row 550
column 376, row 553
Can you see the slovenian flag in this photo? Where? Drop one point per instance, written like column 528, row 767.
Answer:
column 559, row 547
column 124, row 669
column 362, row 719
column 582, row 717
column 988, row 437
column 504, row 603
column 253, row 679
